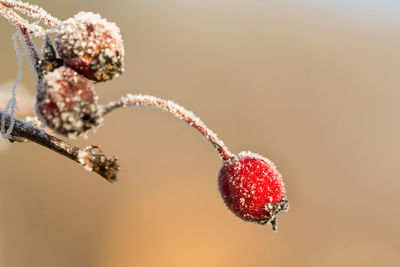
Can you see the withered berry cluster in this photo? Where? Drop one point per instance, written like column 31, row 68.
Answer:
column 89, row 49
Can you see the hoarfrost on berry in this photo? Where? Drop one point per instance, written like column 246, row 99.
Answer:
column 67, row 103
column 91, row 46
column 252, row 188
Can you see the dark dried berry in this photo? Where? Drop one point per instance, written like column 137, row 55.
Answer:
column 91, row 46
column 67, row 103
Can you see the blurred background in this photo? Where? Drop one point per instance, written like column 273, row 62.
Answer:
column 312, row 85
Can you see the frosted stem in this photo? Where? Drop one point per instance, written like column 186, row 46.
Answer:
column 12, row 103
column 25, row 29
column 176, row 110
column 32, row 11
column 17, row 20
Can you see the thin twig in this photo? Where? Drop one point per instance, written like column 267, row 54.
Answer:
column 33, row 11
column 25, row 29
column 25, row 102
column 179, row 112
column 89, row 158
column 15, row 19
column 12, row 103
column 23, row 32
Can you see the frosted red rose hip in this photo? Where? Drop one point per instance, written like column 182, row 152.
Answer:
column 252, row 188
column 91, row 46
column 67, row 103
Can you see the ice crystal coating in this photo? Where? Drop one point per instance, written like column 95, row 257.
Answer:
column 7, row 11
column 32, row 11
column 12, row 103
column 67, row 103
column 91, row 46
column 252, row 188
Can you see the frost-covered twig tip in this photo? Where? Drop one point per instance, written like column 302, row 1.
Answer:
column 91, row 158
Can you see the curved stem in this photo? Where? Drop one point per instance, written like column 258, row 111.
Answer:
column 32, row 11
column 176, row 110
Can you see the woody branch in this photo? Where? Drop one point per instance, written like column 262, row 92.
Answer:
column 90, row 157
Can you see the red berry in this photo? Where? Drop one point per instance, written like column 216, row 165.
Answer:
column 252, row 188
column 91, row 46
column 67, row 103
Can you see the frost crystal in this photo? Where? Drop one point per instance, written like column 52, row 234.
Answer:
column 253, row 189
column 19, row 22
column 67, row 103
column 91, row 46
column 85, row 159
column 32, row 11
column 12, row 103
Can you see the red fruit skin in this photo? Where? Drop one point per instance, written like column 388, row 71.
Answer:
column 91, row 46
column 67, row 103
column 252, row 188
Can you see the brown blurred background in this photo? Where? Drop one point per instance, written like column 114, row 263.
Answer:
column 313, row 86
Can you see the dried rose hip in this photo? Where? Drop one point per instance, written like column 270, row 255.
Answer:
column 91, row 46
column 67, row 103
column 252, row 188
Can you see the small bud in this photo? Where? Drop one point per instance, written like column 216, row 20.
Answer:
column 91, row 46
column 252, row 188
column 67, row 103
